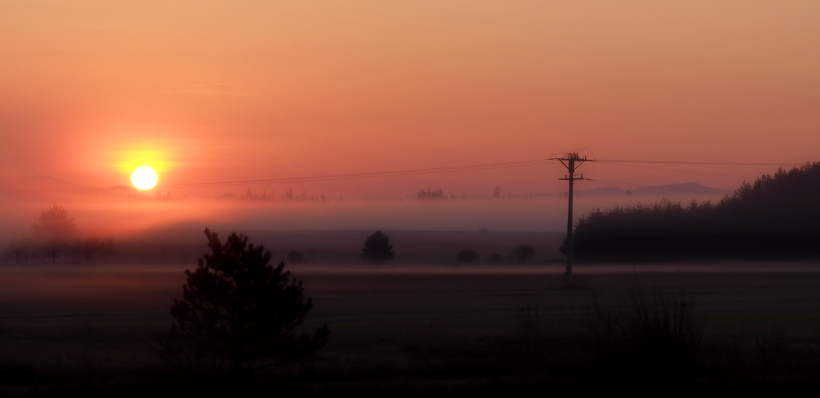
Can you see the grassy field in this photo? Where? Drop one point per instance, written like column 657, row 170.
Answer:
column 402, row 324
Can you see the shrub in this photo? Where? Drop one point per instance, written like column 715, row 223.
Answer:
column 377, row 248
column 524, row 253
column 467, row 256
column 652, row 338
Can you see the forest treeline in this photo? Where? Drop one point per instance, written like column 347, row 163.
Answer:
column 776, row 216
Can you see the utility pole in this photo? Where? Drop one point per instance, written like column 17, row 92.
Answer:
column 571, row 161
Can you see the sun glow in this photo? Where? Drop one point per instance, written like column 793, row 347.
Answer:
column 144, row 178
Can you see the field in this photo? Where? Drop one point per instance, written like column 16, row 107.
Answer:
column 394, row 323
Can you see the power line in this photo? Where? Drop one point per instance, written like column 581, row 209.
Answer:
column 473, row 167
column 329, row 177
column 792, row 164
column 438, row 170
column 394, row 173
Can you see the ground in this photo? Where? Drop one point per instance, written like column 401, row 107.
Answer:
column 395, row 323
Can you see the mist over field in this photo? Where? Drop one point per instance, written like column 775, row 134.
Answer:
column 157, row 230
column 502, row 311
column 546, row 213
column 406, row 167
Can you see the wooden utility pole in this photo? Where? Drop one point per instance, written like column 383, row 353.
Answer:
column 571, row 161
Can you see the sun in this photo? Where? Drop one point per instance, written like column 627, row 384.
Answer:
column 144, row 178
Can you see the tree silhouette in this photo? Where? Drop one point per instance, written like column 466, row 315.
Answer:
column 54, row 232
column 377, row 248
column 238, row 312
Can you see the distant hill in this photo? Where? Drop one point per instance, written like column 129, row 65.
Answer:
column 39, row 182
column 36, row 185
column 686, row 187
column 604, row 191
column 656, row 190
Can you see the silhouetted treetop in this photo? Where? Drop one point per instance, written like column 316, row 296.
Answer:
column 430, row 194
column 776, row 215
column 786, row 200
column 377, row 248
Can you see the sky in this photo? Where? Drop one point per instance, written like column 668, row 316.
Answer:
column 209, row 91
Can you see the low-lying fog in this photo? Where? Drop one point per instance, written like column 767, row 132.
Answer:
column 547, row 214
column 154, row 231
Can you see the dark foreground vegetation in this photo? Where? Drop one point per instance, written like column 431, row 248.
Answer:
column 776, row 216
column 396, row 332
column 238, row 314
column 645, row 341
column 237, row 329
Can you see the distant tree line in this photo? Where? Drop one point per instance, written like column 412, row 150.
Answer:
column 521, row 255
column 54, row 238
column 378, row 249
column 433, row 194
column 287, row 196
column 774, row 216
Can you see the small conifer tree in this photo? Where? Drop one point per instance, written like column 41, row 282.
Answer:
column 238, row 312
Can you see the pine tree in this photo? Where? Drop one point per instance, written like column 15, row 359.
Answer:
column 238, row 312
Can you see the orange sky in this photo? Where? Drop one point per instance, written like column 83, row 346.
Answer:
column 215, row 90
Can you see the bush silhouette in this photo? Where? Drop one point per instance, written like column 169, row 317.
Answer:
column 377, row 248
column 238, row 312
column 651, row 337
column 467, row 256
column 524, row 253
